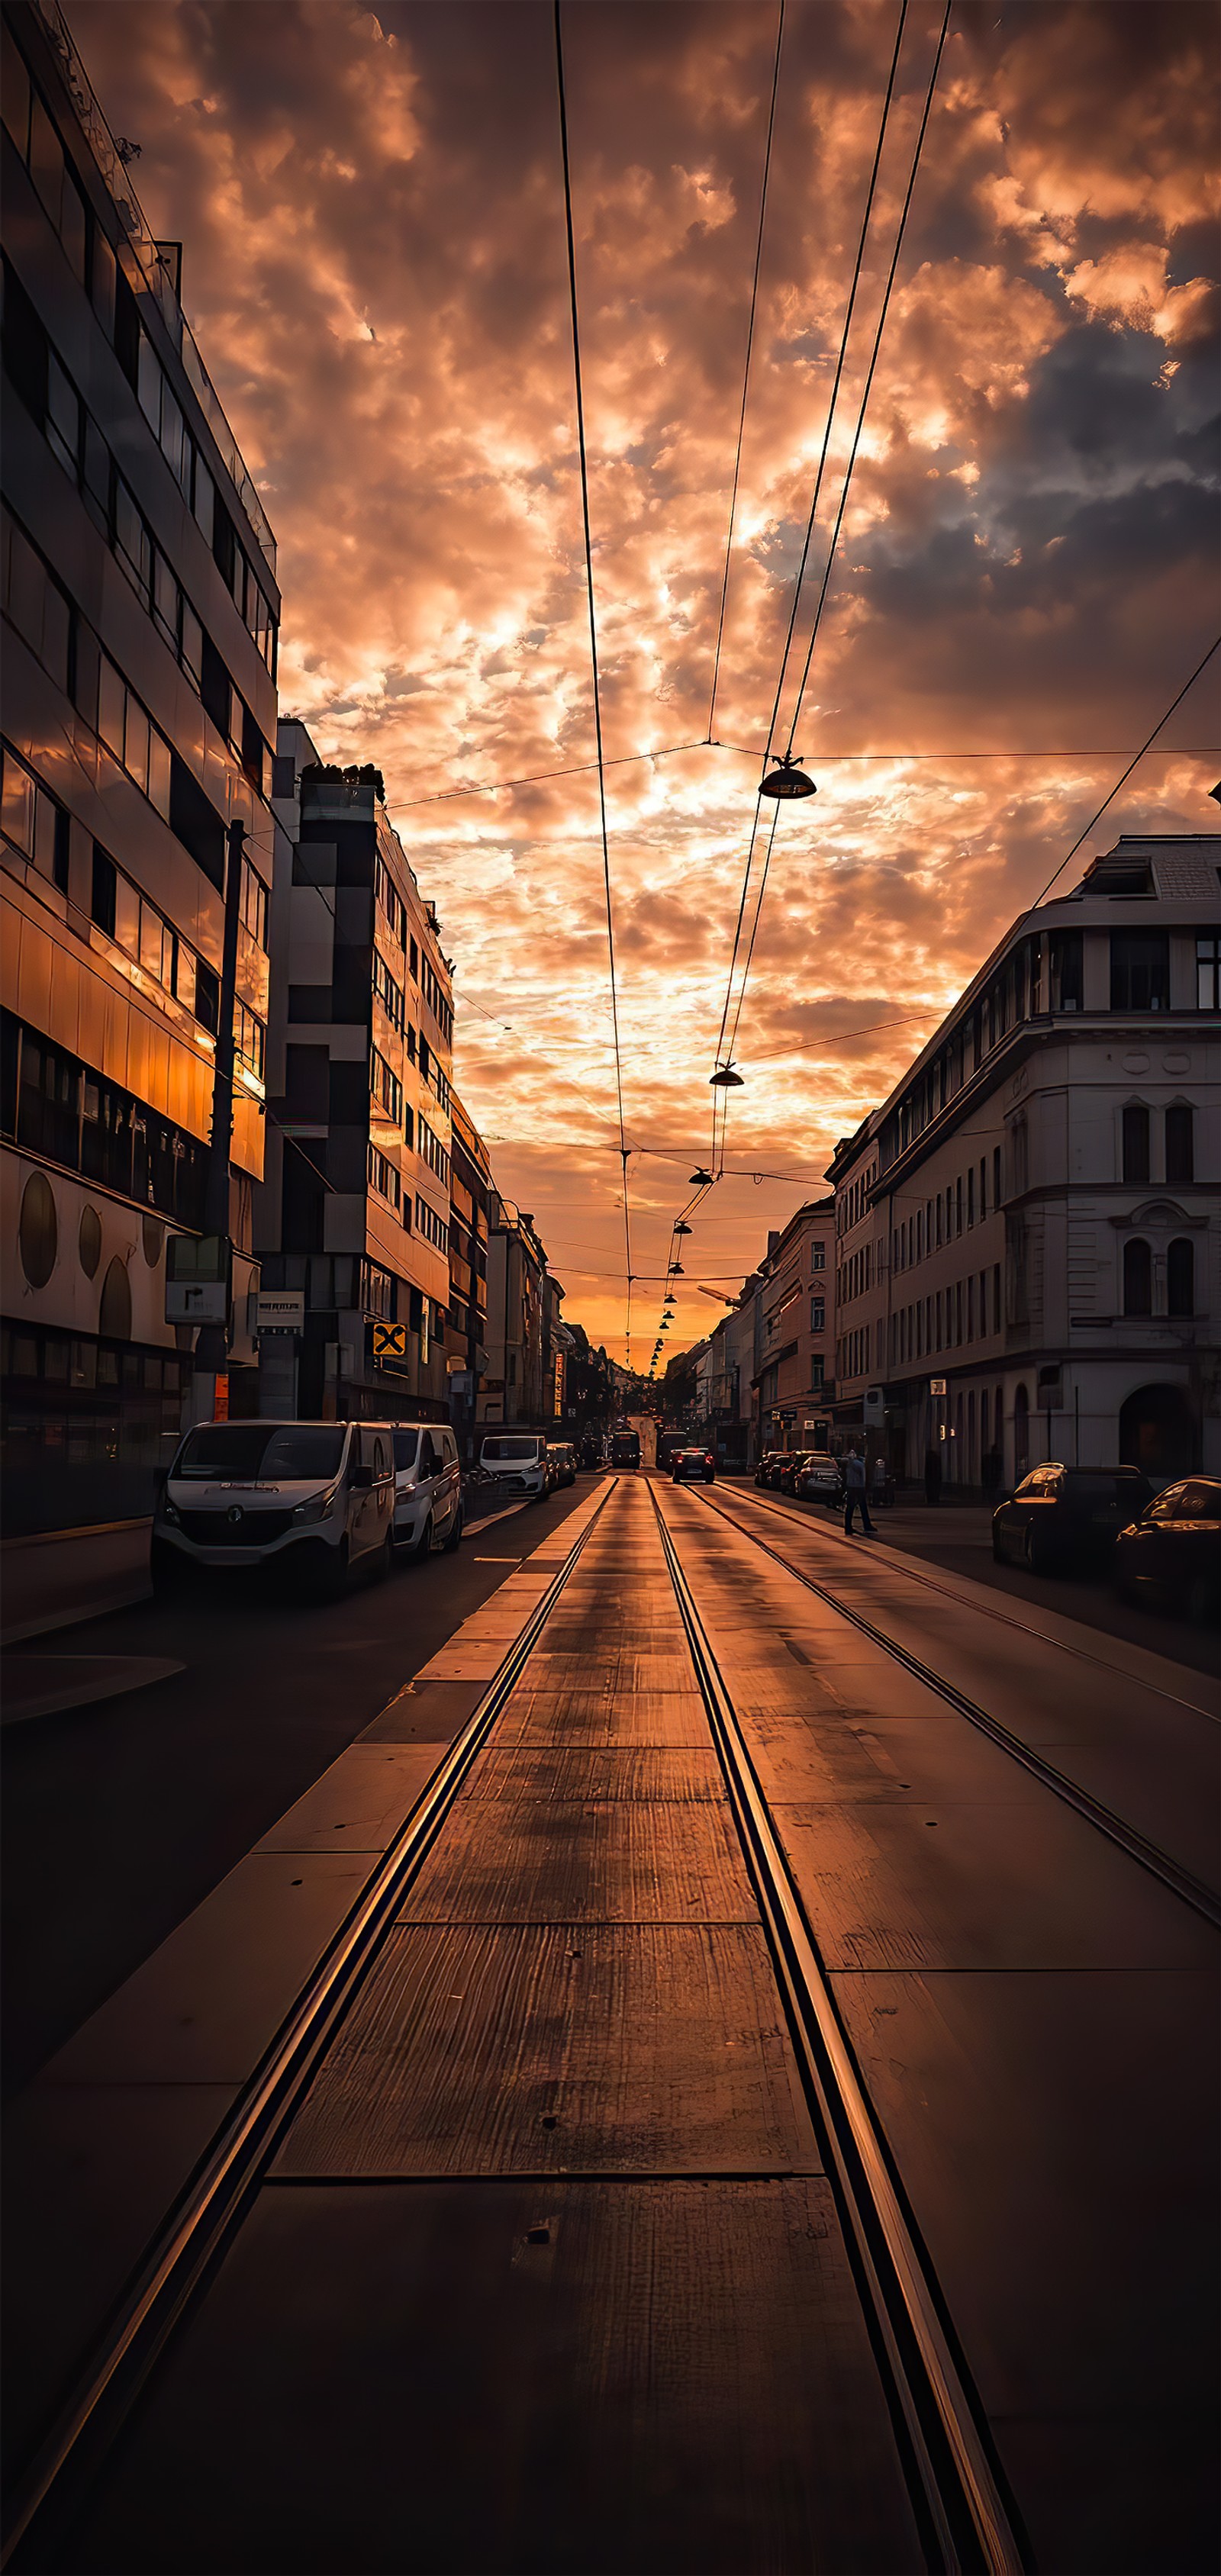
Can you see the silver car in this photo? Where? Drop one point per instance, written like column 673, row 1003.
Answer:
column 313, row 1497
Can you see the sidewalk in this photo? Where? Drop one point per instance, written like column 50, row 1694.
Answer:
column 59, row 1577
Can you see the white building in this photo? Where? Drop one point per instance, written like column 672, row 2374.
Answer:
column 1027, row 1231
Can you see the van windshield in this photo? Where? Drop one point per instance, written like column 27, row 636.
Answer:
column 504, row 1449
column 406, row 1444
column 246, row 1452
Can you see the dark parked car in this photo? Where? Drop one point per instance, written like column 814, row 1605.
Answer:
column 694, row 1467
column 1172, row 1553
column 789, row 1470
column 1063, row 1516
column 769, row 1458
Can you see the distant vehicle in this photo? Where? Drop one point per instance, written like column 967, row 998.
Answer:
column 427, row 1488
column 788, row 1471
column 694, row 1466
column 625, row 1449
column 518, row 1460
column 818, row 1481
column 563, row 1461
column 768, row 1459
column 669, row 1443
column 1172, row 1554
column 1063, row 1516
column 315, row 1498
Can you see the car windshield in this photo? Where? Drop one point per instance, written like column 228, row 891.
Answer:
column 406, row 1444
column 1081, row 1486
column 505, row 1449
column 260, row 1452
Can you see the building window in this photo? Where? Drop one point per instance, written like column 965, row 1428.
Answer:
column 384, row 1179
column 1066, row 970
column 1208, row 973
column 818, row 1315
column 816, row 1374
column 386, row 1089
column 254, row 904
column 1140, row 970
column 388, row 992
column 971, row 1195
column 32, row 820
column 818, row 1257
column 1136, row 1143
column 1137, row 1277
column 1181, row 1277
column 1180, row 1143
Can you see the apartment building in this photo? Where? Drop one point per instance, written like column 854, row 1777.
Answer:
column 516, row 1387
column 353, row 1221
column 796, row 1295
column 471, row 1192
column 141, row 613
column 1028, row 1237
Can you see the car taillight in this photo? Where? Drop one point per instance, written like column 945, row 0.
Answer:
column 710, row 1460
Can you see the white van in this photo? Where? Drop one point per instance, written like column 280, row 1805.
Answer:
column 518, row 1460
column 427, row 1488
column 314, row 1496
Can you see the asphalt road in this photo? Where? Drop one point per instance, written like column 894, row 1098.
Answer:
column 119, row 1818
column 959, row 1537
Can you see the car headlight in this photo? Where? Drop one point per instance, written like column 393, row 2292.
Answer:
column 318, row 1508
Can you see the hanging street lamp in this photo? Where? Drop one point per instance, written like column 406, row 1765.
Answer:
column 786, row 780
column 725, row 1079
column 700, row 1180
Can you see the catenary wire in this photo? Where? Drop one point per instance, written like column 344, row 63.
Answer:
column 750, row 335
column 788, row 641
column 879, row 330
column 877, row 348
column 593, row 647
column 1137, row 756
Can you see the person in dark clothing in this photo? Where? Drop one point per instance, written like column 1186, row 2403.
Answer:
column 856, row 1491
column 932, row 1475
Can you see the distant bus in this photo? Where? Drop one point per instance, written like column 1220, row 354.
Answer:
column 625, row 1449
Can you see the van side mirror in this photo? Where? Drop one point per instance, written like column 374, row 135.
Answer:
column 361, row 1480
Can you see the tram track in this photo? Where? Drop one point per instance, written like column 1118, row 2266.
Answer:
column 1148, row 1855
column 939, row 2420
column 208, row 2216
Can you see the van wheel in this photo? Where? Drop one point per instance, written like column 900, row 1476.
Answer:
column 453, row 1540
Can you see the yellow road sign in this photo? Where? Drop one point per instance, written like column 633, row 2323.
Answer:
column 389, row 1341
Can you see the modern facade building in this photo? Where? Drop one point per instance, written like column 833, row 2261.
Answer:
column 1028, row 1235
column 471, row 1193
column 517, row 1386
column 353, row 1219
column 141, row 613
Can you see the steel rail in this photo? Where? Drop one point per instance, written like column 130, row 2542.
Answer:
column 214, row 2204
column 940, row 2424
column 898, row 1564
column 1148, row 1855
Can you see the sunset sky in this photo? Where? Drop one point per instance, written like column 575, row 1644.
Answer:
column 375, row 266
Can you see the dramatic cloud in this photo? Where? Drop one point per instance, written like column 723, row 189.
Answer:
column 375, row 265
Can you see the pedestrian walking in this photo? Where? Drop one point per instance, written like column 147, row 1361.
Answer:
column 855, row 1491
column 879, row 1481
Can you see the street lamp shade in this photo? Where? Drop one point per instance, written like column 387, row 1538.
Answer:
column 786, row 780
column 675, row 1270
column 700, row 1180
column 682, row 1226
column 725, row 1079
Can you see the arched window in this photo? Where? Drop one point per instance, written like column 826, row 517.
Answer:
column 1136, row 1142
column 1181, row 1277
column 1137, row 1277
column 1180, row 1143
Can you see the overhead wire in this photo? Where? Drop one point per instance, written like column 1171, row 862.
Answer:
column 879, row 330
column 593, row 648
column 1121, row 781
column 818, row 481
column 750, row 336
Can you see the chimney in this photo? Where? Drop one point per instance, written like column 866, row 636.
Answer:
column 773, row 1238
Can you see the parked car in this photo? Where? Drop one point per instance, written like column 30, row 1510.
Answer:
column 767, row 1460
column 818, row 1481
column 694, row 1466
column 518, row 1460
column 313, row 1498
column 1172, row 1554
column 789, row 1469
column 1062, row 1516
column 563, row 1461
column 427, row 1488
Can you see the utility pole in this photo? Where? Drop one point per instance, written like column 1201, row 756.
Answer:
column 212, row 1340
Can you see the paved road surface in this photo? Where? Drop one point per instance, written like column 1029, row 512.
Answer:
column 550, row 2266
